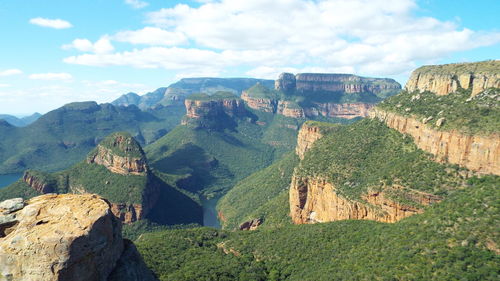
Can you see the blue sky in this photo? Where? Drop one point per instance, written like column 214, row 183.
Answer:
column 57, row 51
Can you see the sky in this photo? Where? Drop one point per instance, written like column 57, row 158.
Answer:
column 54, row 52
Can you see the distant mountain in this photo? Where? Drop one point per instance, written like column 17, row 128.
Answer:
column 20, row 122
column 176, row 93
column 64, row 136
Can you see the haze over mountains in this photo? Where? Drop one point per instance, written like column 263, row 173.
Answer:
column 319, row 176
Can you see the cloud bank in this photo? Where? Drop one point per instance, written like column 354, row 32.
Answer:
column 265, row 37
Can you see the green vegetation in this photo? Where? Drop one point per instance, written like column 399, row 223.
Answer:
column 453, row 240
column 367, row 155
column 129, row 147
column 172, row 206
column 215, row 97
column 489, row 66
column 251, row 197
column 470, row 115
column 64, row 136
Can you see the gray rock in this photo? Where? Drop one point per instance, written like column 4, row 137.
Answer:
column 11, row 205
column 7, row 220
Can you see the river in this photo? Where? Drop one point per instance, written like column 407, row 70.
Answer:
column 209, row 212
column 7, row 179
column 210, row 217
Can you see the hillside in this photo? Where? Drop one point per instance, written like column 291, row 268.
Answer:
column 64, row 136
column 118, row 170
column 20, row 121
column 456, row 239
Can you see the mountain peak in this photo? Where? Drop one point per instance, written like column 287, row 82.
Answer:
column 120, row 153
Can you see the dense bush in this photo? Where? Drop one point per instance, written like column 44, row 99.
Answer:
column 470, row 115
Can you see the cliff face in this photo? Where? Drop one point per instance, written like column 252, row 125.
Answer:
column 477, row 153
column 316, row 200
column 445, row 79
column 118, row 164
column 289, row 109
column 308, row 134
column 348, row 83
column 37, row 183
column 60, row 237
column 197, row 109
column 314, row 87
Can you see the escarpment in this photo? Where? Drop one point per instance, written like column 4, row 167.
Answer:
column 474, row 152
column 309, row 95
column 61, row 237
column 348, row 83
column 213, row 112
column 448, row 78
column 314, row 200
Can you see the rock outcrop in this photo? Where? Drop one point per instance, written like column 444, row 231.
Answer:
column 347, row 83
column 309, row 133
column 197, row 109
column 61, row 237
column 250, row 225
column 37, row 182
column 314, row 200
column 445, row 79
column 121, row 154
column 477, row 153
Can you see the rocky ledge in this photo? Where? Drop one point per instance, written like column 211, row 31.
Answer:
column 477, row 153
column 314, row 200
column 64, row 237
column 445, row 79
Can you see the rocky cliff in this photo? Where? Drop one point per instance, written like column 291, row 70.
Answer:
column 314, row 200
column 38, row 181
column 60, row 237
column 347, row 83
column 197, row 109
column 309, row 133
column 445, row 79
column 328, row 95
column 121, row 154
column 474, row 152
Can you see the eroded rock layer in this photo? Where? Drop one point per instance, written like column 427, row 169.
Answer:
column 118, row 164
column 445, row 79
column 61, row 237
column 477, row 153
column 314, row 200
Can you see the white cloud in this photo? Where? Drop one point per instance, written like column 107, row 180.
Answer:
column 370, row 37
column 151, row 36
column 51, row 76
column 52, row 23
column 10, row 72
column 4, row 85
column 101, row 46
column 136, row 4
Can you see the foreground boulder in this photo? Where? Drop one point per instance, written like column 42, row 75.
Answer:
column 60, row 237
